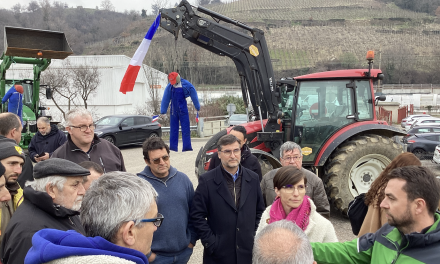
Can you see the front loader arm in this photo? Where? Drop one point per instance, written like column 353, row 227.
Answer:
column 249, row 53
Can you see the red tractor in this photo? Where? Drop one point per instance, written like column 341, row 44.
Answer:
column 331, row 115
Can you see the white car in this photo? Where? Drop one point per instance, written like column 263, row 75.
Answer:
column 403, row 122
column 426, row 121
column 436, row 157
column 413, row 120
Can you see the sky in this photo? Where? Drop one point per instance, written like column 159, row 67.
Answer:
column 120, row 5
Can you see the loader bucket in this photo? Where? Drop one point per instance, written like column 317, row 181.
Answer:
column 26, row 42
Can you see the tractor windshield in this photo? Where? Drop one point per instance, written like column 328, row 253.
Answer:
column 324, row 107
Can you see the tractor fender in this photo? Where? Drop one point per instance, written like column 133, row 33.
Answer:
column 367, row 127
column 271, row 158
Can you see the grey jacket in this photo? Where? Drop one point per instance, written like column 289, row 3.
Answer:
column 315, row 190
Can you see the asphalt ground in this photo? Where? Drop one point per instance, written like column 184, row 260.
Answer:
column 185, row 162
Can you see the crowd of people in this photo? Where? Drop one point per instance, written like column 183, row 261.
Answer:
column 77, row 204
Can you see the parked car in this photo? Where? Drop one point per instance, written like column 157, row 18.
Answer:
column 127, row 129
column 413, row 120
column 421, row 130
column 237, row 119
column 436, row 157
column 403, row 122
column 423, row 145
column 430, row 121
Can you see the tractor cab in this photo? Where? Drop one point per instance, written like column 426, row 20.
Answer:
column 323, row 103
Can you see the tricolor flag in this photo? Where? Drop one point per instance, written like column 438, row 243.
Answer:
column 130, row 76
column 155, row 118
column 197, row 117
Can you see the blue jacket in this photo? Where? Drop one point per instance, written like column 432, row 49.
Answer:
column 48, row 143
column 51, row 244
column 15, row 98
column 188, row 89
column 174, row 202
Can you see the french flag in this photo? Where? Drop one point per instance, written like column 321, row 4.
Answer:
column 155, row 118
column 131, row 74
column 197, row 117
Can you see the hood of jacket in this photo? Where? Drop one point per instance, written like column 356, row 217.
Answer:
column 43, row 201
column 53, row 130
column 245, row 152
column 51, row 244
column 147, row 173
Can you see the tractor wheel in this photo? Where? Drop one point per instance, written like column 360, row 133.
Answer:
column 201, row 156
column 354, row 165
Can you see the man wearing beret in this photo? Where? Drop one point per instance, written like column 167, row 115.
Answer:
column 52, row 200
column 12, row 158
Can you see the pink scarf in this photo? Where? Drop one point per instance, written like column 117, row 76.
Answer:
column 300, row 215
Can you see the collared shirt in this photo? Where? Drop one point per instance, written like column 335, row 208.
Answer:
column 234, row 176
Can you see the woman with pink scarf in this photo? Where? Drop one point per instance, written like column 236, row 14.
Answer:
column 294, row 205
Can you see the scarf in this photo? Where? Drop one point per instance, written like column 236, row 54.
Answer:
column 300, row 215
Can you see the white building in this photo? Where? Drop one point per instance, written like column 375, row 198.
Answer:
column 107, row 100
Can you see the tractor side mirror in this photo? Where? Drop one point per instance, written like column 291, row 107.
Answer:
column 49, row 93
column 380, row 98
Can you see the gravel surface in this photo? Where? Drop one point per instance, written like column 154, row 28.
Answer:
column 185, row 162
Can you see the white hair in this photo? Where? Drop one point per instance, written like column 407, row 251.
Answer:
column 116, row 197
column 289, row 146
column 43, row 119
column 79, row 111
column 282, row 242
column 39, row 185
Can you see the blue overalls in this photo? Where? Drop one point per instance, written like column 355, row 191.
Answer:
column 15, row 104
column 179, row 112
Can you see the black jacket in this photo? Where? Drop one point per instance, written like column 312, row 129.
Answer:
column 248, row 161
column 227, row 233
column 27, row 171
column 48, row 143
column 35, row 213
column 102, row 152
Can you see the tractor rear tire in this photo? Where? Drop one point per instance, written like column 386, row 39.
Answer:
column 201, row 156
column 354, row 165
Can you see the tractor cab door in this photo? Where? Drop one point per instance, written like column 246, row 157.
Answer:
column 325, row 107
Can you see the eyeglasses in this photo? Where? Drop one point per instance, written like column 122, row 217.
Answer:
column 156, row 221
column 290, row 188
column 84, row 128
column 296, row 158
column 157, row 161
column 228, row 152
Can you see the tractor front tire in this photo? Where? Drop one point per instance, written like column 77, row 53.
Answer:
column 354, row 165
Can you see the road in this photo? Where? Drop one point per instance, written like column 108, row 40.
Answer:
column 185, row 161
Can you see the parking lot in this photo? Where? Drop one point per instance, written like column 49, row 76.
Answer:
column 185, row 161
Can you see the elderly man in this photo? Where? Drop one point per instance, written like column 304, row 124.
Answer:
column 227, row 207
column 96, row 171
column 412, row 234
column 291, row 155
column 52, row 200
column 282, row 242
column 10, row 127
column 175, row 241
column 118, row 230
column 12, row 158
column 82, row 143
column 46, row 140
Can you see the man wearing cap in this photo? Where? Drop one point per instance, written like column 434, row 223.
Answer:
column 15, row 97
column 10, row 128
column 177, row 91
column 12, row 158
column 52, row 200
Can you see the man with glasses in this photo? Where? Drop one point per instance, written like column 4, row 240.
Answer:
column 118, row 230
column 291, row 155
column 227, row 207
column 83, row 145
column 175, row 241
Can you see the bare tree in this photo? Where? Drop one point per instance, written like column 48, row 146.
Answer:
column 107, row 5
column 153, row 89
column 158, row 4
column 85, row 79
column 45, row 6
column 33, row 6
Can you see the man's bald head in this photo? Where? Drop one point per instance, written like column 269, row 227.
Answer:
column 282, row 242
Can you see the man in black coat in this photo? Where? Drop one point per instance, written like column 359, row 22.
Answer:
column 248, row 160
column 227, row 207
column 50, row 201
column 46, row 140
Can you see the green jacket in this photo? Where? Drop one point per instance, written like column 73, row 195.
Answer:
column 387, row 245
